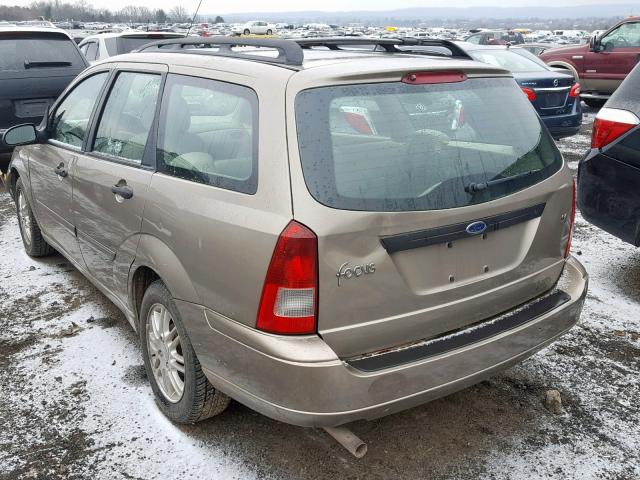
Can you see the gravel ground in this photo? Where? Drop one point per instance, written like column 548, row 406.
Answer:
column 75, row 402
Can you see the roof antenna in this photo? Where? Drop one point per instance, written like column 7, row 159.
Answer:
column 194, row 18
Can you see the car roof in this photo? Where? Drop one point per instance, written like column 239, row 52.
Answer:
column 23, row 29
column 134, row 33
column 328, row 64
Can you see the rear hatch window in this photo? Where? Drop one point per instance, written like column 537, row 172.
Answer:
column 28, row 51
column 400, row 147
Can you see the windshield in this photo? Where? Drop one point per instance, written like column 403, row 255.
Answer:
column 514, row 62
column 18, row 53
column 398, row 147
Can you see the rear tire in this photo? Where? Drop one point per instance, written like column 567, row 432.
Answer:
column 594, row 102
column 34, row 244
column 184, row 397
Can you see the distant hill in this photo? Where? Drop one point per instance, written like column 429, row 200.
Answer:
column 448, row 13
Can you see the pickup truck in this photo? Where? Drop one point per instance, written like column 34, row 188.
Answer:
column 601, row 65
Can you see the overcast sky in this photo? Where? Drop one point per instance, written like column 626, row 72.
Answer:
column 240, row 6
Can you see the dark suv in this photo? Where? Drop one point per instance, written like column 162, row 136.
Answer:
column 36, row 65
column 609, row 176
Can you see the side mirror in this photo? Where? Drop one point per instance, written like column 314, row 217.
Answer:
column 24, row 134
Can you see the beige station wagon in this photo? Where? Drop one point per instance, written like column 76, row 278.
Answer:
column 325, row 230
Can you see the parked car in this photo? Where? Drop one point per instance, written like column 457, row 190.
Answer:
column 496, row 37
column 555, row 95
column 285, row 230
column 609, row 175
column 36, row 64
column 257, row 27
column 105, row 45
column 601, row 65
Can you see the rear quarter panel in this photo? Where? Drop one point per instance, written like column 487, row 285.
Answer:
column 218, row 243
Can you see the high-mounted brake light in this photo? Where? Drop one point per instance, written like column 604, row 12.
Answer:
column 425, row 78
column 288, row 305
column 531, row 95
column 567, row 228
column 610, row 124
column 575, row 90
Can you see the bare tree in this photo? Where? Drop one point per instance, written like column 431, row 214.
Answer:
column 179, row 14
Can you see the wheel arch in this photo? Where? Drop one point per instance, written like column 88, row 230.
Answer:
column 156, row 261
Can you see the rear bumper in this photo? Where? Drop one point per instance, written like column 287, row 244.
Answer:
column 608, row 195
column 300, row 380
column 564, row 125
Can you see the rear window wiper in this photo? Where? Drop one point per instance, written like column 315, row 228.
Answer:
column 28, row 64
column 478, row 187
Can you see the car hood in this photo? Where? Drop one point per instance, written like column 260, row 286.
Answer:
column 564, row 50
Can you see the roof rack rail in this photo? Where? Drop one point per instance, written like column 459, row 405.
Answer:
column 334, row 43
column 289, row 53
column 392, row 45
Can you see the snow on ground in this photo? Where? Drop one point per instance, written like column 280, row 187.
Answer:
column 78, row 406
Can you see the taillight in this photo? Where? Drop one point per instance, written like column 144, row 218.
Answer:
column 575, row 90
column 531, row 95
column 290, row 294
column 567, row 227
column 611, row 123
column 358, row 122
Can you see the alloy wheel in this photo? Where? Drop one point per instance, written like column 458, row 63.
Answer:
column 165, row 352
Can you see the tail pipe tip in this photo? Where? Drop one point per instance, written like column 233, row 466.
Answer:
column 348, row 440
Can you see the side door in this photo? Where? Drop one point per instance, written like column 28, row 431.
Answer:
column 618, row 54
column 111, row 179
column 51, row 165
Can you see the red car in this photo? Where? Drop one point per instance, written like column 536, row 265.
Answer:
column 601, row 65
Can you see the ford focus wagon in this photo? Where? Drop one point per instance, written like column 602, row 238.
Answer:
column 323, row 232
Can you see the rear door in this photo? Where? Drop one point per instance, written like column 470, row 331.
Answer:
column 52, row 164
column 35, row 67
column 111, row 179
column 607, row 68
column 436, row 205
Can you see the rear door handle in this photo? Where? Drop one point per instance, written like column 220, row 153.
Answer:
column 123, row 191
column 60, row 170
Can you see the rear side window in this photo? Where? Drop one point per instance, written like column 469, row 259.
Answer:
column 208, row 133
column 127, row 116
column 19, row 52
column 399, row 147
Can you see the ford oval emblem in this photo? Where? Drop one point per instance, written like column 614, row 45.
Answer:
column 476, row 227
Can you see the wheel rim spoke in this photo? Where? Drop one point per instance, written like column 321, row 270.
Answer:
column 165, row 353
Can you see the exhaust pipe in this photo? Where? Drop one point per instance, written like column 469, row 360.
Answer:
column 348, row 440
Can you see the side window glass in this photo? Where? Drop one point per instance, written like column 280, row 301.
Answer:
column 626, row 35
column 208, row 133
column 92, row 51
column 127, row 116
column 71, row 118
